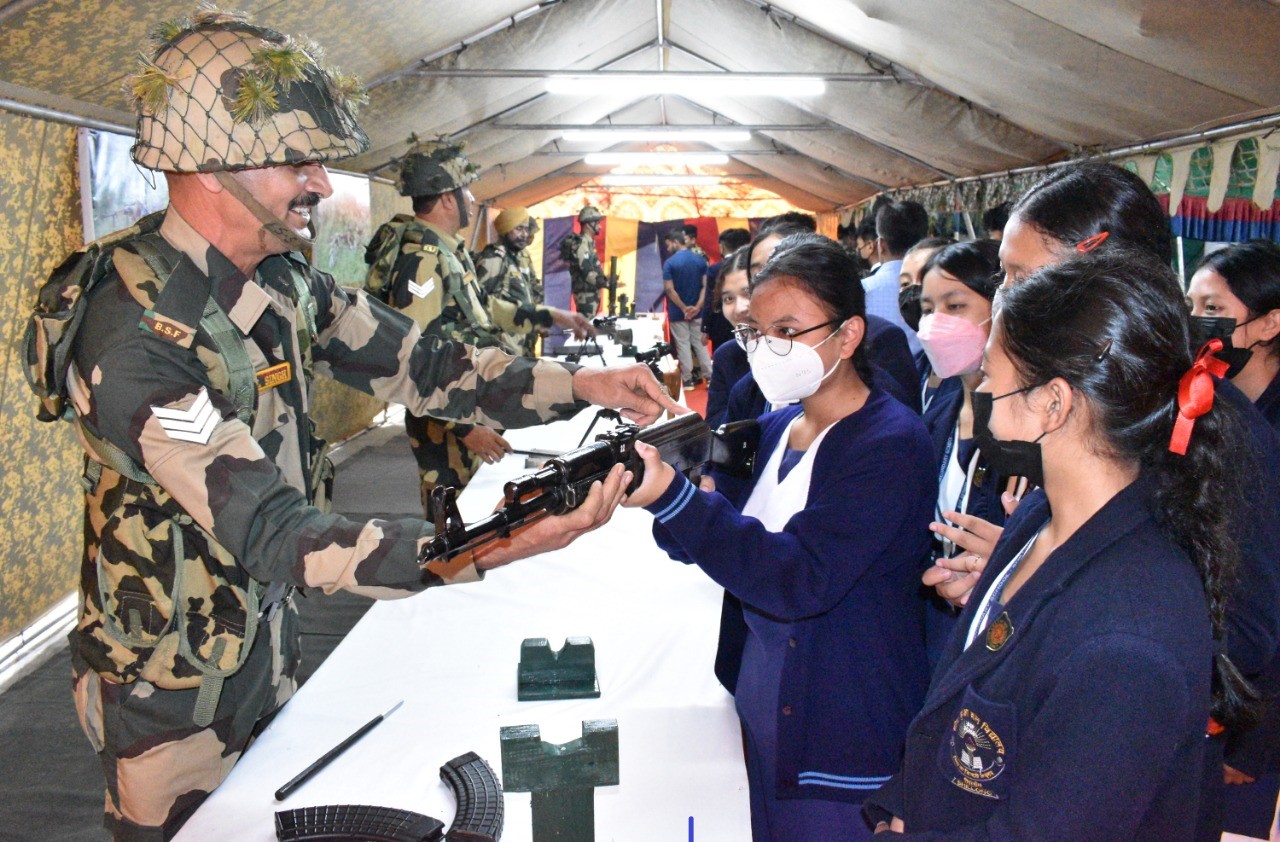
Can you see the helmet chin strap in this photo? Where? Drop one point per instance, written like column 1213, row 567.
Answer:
column 464, row 218
column 272, row 224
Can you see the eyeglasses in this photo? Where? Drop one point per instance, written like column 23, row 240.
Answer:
column 748, row 337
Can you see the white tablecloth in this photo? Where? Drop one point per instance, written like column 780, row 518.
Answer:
column 451, row 655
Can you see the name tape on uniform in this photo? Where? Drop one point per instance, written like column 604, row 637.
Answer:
column 194, row 424
column 273, row 376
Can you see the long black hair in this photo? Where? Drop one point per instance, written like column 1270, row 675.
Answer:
column 1114, row 325
column 1079, row 201
column 824, row 269
column 1252, row 271
column 975, row 263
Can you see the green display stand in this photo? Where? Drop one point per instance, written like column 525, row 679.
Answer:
column 567, row 674
column 562, row 778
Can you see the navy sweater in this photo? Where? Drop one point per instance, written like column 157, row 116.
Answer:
column 1088, row 722
column 729, row 365
column 844, row 570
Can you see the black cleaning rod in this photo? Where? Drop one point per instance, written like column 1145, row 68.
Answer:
column 306, row 774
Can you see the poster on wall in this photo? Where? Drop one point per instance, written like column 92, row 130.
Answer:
column 114, row 191
column 342, row 224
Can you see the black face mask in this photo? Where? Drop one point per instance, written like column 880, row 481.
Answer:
column 1204, row 328
column 909, row 305
column 1010, row 458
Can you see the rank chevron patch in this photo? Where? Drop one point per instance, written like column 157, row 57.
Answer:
column 422, row 290
column 194, row 425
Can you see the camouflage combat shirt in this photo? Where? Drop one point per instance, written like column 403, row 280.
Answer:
column 508, row 275
column 584, row 264
column 170, row 570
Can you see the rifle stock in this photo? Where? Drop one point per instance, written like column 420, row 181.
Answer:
column 686, row 443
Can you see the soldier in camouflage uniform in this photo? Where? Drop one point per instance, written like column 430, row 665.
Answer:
column 420, row 265
column 585, row 272
column 506, row 272
column 183, row 351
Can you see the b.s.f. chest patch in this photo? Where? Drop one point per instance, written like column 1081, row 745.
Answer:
column 978, row 749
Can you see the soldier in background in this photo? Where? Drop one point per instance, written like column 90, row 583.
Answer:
column 420, row 265
column 506, row 272
column 585, row 272
column 183, row 350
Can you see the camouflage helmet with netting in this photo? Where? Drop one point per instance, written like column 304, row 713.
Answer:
column 433, row 167
column 590, row 213
column 219, row 93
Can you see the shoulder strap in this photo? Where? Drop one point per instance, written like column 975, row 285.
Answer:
column 168, row 264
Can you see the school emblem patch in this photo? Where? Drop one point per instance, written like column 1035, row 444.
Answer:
column 977, row 754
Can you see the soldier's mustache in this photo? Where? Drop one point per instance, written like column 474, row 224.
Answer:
column 306, row 200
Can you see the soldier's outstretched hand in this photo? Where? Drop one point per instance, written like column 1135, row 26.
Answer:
column 575, row 322
column 557, row 531
column 633, row 390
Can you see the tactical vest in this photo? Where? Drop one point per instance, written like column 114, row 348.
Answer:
column 190, row 620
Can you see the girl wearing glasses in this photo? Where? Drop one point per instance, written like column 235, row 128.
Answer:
column 822, row 546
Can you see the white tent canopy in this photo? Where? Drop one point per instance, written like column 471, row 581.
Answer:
column 918, row 90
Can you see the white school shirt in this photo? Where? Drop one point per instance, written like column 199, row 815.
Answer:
column 773, row 503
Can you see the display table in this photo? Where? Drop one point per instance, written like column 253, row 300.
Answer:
column 451, row 654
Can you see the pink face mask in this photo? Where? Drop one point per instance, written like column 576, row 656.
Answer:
column 952, row 344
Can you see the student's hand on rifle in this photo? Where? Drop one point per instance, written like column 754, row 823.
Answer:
column 657, row 477
column 633, row 390
column 558, row 531
column 486, row 444
column 576, row 322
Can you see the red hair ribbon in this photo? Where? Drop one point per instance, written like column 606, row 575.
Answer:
column 1088, row 244
column 1195, row 394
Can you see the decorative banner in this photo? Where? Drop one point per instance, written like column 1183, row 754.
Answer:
column 639, row 248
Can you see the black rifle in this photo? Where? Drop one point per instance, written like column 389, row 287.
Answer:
column 649, row 357
column 608, row 325
column 613, row 285
column 685, row 442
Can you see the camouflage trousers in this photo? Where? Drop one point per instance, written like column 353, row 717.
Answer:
column 587, row 303
column 160, row 766
column 441, row 456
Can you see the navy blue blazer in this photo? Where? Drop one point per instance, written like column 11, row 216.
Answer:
column 1088, row 721
column 940, row 420
column 892, row 369
column 729, row 364
column 844, row 571
column 1268, row 403
column 1253, row 612
column 983, row 501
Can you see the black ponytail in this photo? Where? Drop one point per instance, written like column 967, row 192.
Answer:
column 1113, row 324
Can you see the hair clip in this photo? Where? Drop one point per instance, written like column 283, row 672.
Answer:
column 1088, row 244
column 1104, row 351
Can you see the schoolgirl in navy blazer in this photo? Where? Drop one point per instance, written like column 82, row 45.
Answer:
column 845, row 570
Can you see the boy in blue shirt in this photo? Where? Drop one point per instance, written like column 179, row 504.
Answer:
column 684, row 282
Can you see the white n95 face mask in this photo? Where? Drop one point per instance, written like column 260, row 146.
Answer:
column 790, row 378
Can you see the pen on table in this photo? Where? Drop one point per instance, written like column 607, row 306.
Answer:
column 306, row 774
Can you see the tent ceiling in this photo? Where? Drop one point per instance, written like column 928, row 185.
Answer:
column 969, row 88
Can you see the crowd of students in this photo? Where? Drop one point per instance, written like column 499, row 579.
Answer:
column 1025, row 582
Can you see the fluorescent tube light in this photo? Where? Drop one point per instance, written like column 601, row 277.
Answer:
column 722, row 84
column 658, row 134
column 659, row 180
column 675, row 159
